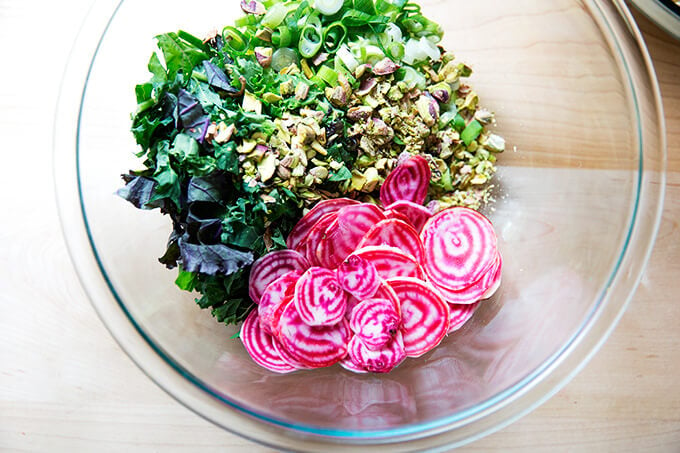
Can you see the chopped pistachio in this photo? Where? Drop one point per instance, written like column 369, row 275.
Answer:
column 359, row 113
column 267, row 166
column 224, row 132
column 265, row 34
column 441, row 92
column 264, row 56
column 395, row 94
column 305, row 134
column 366, row 86
column 484, row 116
column 251, row 103
column 247, row 147
column 385, row 67
column 479, row 179
column 372, row 179
column 495, row 143
column 253, row 7
column 301, row 91
column 283, row 172
column 317, row 147
column 358, row 181
column 319, row 173
column 287, row 88
column 428, row 109
column 298, row 171
column 335, row 165
column 271, row 98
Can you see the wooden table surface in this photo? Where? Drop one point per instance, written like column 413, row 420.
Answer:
column 66, row 386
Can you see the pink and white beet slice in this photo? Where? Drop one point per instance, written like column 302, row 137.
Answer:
column 358, row 277
column 343, row 235
column 308, row 220
column 277, row 293
column 375, row 322
column 382, row 360
column 460, row 247
column 319, row 299
column 313, row 347
column 391, row 262
column 409, row 181
column 272, row 266
column 260, row 345
column 395, row 233
column 424, row 314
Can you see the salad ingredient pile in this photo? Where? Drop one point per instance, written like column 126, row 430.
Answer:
column 307, row 134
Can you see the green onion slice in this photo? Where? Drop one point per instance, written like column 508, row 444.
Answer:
column 334, row 36
column 235, row 40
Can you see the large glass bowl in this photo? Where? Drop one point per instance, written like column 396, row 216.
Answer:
column 578, row 199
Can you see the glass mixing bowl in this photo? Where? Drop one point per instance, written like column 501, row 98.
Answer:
column 578, row 198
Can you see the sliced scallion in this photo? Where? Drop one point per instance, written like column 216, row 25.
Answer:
column 334, row 36
column 328, row 7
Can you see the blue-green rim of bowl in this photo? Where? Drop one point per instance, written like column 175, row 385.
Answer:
column 408, row 430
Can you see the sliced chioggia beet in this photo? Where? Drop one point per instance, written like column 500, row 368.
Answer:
column 395, row 233
column 314, row 236
column 286, row 357
column 308, row 220
column 459, row 314
column 319, row 299
column 409, row 181
column 381, row 361
column 417, row 214
column 272, row 266
column 396, row 215
column 260, row 345
column 375, row 322
column 358, row 277
column 460, row 247
column 349, row 365
column 343, row 235
column 424, row 315
column 391, row 261
column 476, row 290
column 276, row 294
column 313, row 347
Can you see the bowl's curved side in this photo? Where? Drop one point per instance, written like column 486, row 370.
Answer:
column 547, row 380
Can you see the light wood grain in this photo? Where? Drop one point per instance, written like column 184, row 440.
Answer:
column 66, row 386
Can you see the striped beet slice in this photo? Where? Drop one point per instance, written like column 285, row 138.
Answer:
column 395, row 233
column 417, row 214
column 260, row 345
column 390, row 214
column 459, row 314
column 272, row 266
column 276, row 294
column 316, row 233
column 409, row 181
column 286, row 357
column 424, row 315
column 386, row 292
column 313, row 347
column 477, row 290
column 308, row 220
column 383, row 360
column 343, row 235
column 391, row 261
column 358, row 277
column 319, row 298
column 375, row 322
column 460, row 247
column 349, row 365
